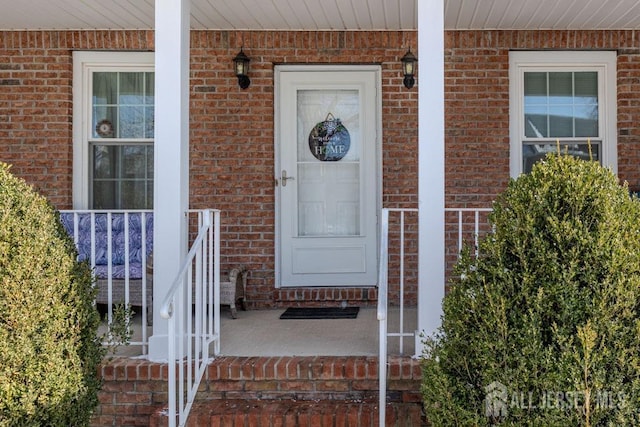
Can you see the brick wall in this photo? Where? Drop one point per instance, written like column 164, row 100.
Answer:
column 132, row 390
column 36, row 102
column 232, row 158
column 232, row 132
column 477, row 104
column 477, row 108
column 232, row 148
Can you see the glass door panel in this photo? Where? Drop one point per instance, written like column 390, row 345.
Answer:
column 328, row 163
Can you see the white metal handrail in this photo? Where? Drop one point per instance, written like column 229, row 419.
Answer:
column 191, row 335
column 383, row 302
column 382, row 315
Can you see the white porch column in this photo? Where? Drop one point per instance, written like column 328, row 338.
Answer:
column 171, row 157
column 430, row 167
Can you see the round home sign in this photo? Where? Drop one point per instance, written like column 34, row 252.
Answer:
column 329, row 141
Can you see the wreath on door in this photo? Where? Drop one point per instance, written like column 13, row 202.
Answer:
column 329, row 140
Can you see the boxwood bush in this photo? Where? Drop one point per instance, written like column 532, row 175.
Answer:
column 49, row 349
column 543, row 328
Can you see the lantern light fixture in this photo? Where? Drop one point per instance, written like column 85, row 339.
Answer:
column 241, row 68
column 409, row 61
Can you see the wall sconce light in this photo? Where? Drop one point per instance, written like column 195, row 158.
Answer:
column 241, row 67
column 409, row 69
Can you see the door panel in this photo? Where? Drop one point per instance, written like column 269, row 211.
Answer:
column 327, row 160
column 337, row 259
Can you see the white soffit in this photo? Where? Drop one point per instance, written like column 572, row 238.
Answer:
column 542, row 14
column 324, row 15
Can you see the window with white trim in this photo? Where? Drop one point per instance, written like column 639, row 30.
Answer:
column 565, row 100
column 113, row 130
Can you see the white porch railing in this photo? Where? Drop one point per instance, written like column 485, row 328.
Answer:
column 191, row 334
column 383, row 301
column 117, row 244
column 470, row 224
column 462, row 225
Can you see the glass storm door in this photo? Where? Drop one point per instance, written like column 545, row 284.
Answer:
column 327, row 121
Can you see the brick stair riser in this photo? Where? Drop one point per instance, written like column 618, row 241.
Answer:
column 134, row 391
column 302, row 414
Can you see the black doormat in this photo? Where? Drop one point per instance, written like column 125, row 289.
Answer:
column 320, row 313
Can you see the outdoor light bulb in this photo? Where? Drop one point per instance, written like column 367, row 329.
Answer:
column 408, row 67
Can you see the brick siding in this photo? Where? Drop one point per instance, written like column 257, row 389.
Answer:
column 232, row 133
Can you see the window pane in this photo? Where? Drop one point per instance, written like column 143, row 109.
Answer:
column 586, row 108
column 561, row 121
column 561, row 88
column 531, row 153
column 104, row 122
column 149, row 122
column 131, row 89
column 149, row 199
column 122, row 176
column 104, row 195
column 535, row 119
column 132, row 122
column 105, row 87
column 535, row 88
column 134, row 195
column 104, row 161
column 149, row 160
column 587, row 87
column 587, row 121
column 134, row 161
column 149, row 92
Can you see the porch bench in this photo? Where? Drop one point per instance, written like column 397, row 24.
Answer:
column 232, row 286
column 96, row 243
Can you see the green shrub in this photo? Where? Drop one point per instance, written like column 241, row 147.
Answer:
column 543, row 329
column 49, row 350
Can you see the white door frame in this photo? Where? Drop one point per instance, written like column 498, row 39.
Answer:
column 277, row 135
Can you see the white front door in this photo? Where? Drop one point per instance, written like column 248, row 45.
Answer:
column 327, row 145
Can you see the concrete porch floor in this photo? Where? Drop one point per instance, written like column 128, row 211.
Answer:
column 263, row 333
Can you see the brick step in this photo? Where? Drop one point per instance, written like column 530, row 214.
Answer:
column 326, row 297
column 338, row 388
column 296, row 413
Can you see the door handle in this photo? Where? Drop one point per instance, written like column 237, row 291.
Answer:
column 284, row 178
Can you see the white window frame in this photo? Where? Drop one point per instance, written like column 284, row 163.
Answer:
column 603, row 62
column 84, row 64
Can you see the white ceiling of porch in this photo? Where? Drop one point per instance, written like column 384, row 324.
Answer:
column 324, row 15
